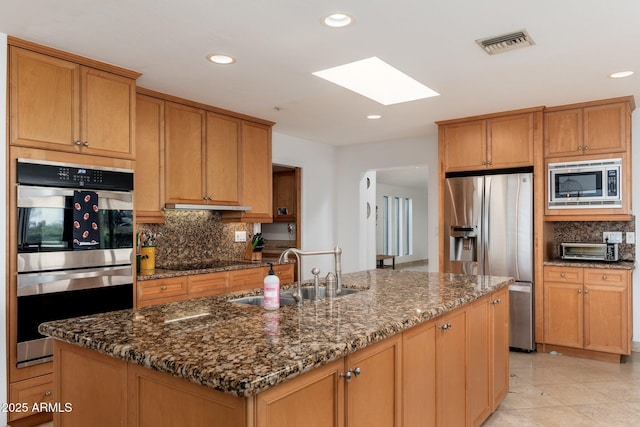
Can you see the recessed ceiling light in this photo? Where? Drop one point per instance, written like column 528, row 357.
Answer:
column 337, row 20
column 219, row 58
column 377, row 80
column 374, row 116
column 620, row 74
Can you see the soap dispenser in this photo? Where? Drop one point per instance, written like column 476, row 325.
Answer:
column 271, row 290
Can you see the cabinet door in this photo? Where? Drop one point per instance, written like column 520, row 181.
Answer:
column 606, row 128
column 419, row 376
column 250, row 278
column 149, row 174
column 256, row 171
column 44, row 107
column 30, row 392
column 315, row 399
column 510, row 141
column 479, row 367
column 373, row 396
column 465, row 145
column 607, row 311
column 563, row 304
column 161, row 290
column 451, row 374
column 284, row 273
column 222, row 158
column 183, row 154
column 108, row 111
column 284, row 195
column 202, row 285
column 563, row 133
column 500, row 343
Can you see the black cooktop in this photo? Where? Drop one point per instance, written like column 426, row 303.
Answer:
column 202, row 265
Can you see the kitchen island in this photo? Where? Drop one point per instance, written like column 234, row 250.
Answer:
column 233, row 359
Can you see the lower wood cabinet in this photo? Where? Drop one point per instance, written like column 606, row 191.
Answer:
column 588, row 309
column 23, row 395
column 160, row 291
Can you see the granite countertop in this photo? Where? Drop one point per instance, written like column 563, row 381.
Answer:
column 244, row 349
column 617, row 265
column 204, row 268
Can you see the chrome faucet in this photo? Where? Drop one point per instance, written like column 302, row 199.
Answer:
column 336, row 252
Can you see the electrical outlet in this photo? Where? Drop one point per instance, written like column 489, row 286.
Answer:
column 612, row 236
column 241, row 236
column 631, row 237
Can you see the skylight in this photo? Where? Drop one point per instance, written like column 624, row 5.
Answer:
column 378, row 81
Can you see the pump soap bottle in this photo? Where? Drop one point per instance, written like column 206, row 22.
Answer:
column 271, row 290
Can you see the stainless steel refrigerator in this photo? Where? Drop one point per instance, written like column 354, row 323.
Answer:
column 488, row 225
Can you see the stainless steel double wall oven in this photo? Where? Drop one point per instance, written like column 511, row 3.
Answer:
column 64, row 270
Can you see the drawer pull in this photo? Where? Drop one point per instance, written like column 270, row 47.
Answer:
column 604, row 277
column 579, row 291
column 47, row 393
column 562, row 274
column 163, row 288
column 446, row 326
column 586, row 291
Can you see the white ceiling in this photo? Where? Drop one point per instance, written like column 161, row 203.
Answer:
column 279, row 43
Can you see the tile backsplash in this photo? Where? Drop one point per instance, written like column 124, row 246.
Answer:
column 591, row 232
column 188, row 236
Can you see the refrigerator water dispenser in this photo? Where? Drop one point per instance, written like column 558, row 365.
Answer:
column 463, row 243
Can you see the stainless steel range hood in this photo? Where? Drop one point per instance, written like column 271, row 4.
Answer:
column 179, row 206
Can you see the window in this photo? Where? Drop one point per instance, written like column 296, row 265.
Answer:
column 397, row 226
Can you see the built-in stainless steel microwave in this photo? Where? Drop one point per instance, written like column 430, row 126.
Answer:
column 585, row 184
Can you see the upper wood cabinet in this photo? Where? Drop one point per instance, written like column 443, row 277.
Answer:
column 285, row 195
column 202, row 150
column 184, row 138
column 599, row 127
column 256, row 178
column 495, row 142
column 58, row 104
column 222, row 158
column 149, row 176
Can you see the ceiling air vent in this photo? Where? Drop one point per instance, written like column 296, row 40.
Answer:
column 505, row 42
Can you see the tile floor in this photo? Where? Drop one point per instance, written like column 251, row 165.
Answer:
column 555, row 390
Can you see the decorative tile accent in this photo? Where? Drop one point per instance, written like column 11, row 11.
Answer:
column 591, row 232
column 188, row 236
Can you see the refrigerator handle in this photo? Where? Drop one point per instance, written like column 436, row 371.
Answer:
column 517, row 226
column 486, row 202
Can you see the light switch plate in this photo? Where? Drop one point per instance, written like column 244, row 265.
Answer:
column 631, row 237
column 241, row 236
column 612, row 236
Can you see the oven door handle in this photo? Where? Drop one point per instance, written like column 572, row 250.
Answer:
column 54, row 197
column 72, row 280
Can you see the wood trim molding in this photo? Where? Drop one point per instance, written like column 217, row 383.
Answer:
column 630, row 99
column 24, row 44
column 491, row 115
column 187, row 102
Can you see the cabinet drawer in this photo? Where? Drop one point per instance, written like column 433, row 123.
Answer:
column 246, row 279
column 208, row 284
column 26, row 393
column 284, row 273
column 603, row 276
column 162, row 288
column 563, row 274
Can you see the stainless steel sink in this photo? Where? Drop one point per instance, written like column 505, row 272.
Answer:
column 259, row 300
column 308, row 292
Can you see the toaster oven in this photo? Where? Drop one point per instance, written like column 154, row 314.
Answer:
column 590, row 251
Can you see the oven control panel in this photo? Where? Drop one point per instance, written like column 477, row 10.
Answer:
column 50, row 174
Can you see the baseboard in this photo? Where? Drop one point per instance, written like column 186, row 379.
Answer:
column 415, row 264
